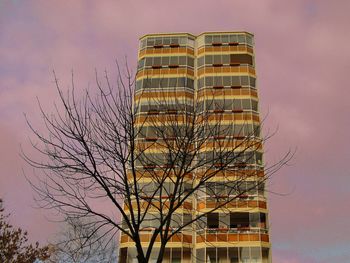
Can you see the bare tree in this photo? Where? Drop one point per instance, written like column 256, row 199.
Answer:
column 145, row 164
column 79, row 242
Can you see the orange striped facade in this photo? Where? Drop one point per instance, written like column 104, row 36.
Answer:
column 216, row 66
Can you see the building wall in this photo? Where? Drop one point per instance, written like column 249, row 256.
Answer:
column 217, row 72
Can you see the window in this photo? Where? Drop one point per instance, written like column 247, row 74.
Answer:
column 208, row 81
column 200, row 61
column 217, row 59
column 200, row 255
column 174, row 60
column 190, row 42
column 123, row 255
column 186, row 219
column 176, row 255
column 238, row 220
column 233, row 38
column 265, row 255
column 190, row 61
column 216, row 39
column 244, row 255
column 211, row 255
column 254, row 105
column 208, row 39
column 224, row 220
column 246, row 104
column 217, row 81
column 172, row 82
column 252, row 82
column 213, row 220
column 224, row 38
column 236, row 81
column 150, row 41
column 208, row 59
column 241, row 38
column 233, row 254
column 182, row 60
column 176, row 220
column 249, row 40
column 244, row 81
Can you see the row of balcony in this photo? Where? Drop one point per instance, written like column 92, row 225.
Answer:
column 207, row 237
column 182, row 50
column 217, row 69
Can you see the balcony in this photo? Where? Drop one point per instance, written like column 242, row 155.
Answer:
column 232, row 235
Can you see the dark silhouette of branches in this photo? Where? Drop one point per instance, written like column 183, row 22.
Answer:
column 154, row 161
column 79, row 242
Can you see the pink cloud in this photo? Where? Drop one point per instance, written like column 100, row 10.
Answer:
column 302, row 58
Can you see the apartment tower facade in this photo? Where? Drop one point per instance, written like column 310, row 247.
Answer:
column 181, row 65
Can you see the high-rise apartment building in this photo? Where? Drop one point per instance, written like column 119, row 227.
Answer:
column 220, row 66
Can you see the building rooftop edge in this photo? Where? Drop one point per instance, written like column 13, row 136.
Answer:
column 189, row 34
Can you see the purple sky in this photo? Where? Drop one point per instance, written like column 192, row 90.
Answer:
column 302, row 57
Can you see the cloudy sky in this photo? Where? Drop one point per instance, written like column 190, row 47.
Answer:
column 302, row 57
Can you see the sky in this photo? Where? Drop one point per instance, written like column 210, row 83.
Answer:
column 302, row 57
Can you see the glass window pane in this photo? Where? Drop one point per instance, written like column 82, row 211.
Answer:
column 208, row 39
column 236, row 104
column 166, row 40
column 211, row 255
column 254, row 105
column 246, row 104
column 190, row 61
column 241, row 38
column 190, row 83
column 224, row 38
column 235, row 81
column 213, row 220
column 172, row 82
column 217, row 59
column 209, row 59
column 222, row 254
column 183, row 40
column 164, row 82
column 165, row 60
column 224, row 220
column 156, row 61
column 244, row 81
column 200, row 255
column 233, row 38
column 182, row 60
column 225, row 59
column 186, row 255
column 265, row 255
column 209, row 81
column 174, row 60
column 244, row 254
column 227, row 81
column 190, row 42
column 176, row 255
column 150, row 42
column 233, row 254
column 181, row 82
column 216, row 39
column 252, row 82
column 200, row 61
column 255, row 254
column 249, row 40
column 174, row 40
column 254, row 219
column 148, row 62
